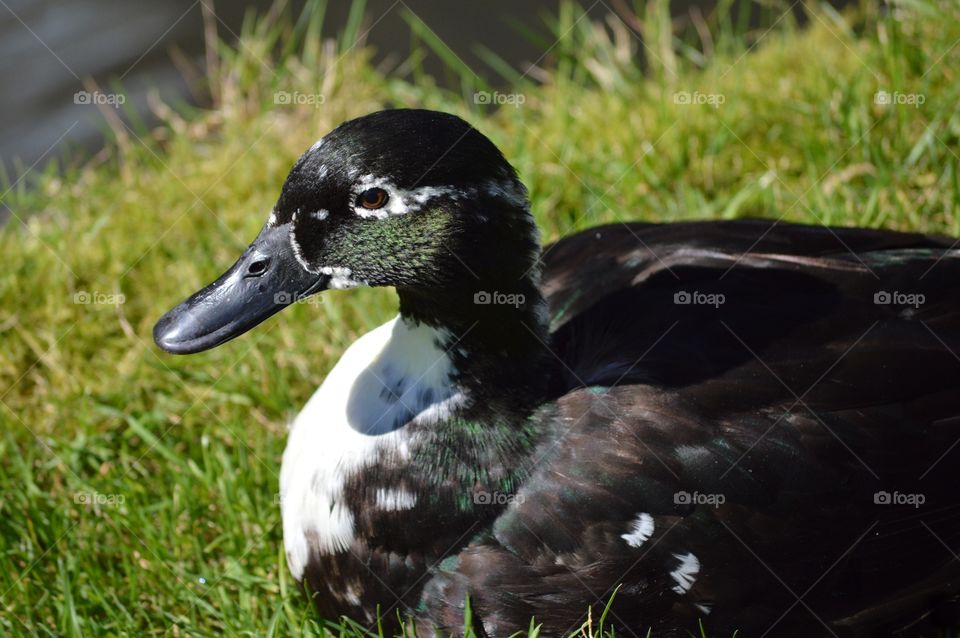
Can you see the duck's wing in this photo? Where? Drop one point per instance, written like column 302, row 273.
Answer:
column 794, row 292
column 783, row 456
column 582, row 269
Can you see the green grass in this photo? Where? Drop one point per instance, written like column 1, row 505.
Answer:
column 184, row 453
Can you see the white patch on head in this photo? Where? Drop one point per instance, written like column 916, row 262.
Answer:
column 319, row 215
column 403, row 201
column 641, row 529
column 686, row 572
column 391, row 500
column 351, row 423
column 340, row 278
column 298, row 253
column 399, row 201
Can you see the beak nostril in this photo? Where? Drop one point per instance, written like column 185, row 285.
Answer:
column 257, row 268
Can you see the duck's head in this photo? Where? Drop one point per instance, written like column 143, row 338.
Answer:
column 414, row 199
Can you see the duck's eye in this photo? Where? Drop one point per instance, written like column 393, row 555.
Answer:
column 257, row 268
column 373, row 198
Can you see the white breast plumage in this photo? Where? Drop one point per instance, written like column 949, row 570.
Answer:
column 391, row 376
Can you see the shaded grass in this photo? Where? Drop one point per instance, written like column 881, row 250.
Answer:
column 139, row 489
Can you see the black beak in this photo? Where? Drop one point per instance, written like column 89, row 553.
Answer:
column 265, row 279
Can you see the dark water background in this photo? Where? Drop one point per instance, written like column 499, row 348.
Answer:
column 49, row 47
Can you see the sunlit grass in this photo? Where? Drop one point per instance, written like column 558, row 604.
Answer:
column 180, row 456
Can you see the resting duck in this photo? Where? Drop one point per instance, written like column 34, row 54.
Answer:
column 748, row 424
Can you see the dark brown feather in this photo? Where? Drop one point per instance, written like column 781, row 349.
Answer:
column 796, row 401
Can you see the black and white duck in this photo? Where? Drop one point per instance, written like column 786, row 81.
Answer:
column 749, row 423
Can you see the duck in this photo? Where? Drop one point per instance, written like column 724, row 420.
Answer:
column 746, row 425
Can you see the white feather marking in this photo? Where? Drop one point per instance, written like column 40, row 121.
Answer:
column 272, row 221
column 399, row 201
column 298, row 254
column 686, row 572
column 351, row 422
column 353, row 595
column 350, row 593
column 704, row 608
column 392, row 500
column 340, row 278
column 403, row 201
column 641, row 529
column 316, row 145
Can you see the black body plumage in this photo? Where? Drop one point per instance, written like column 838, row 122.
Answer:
column 748, row 423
